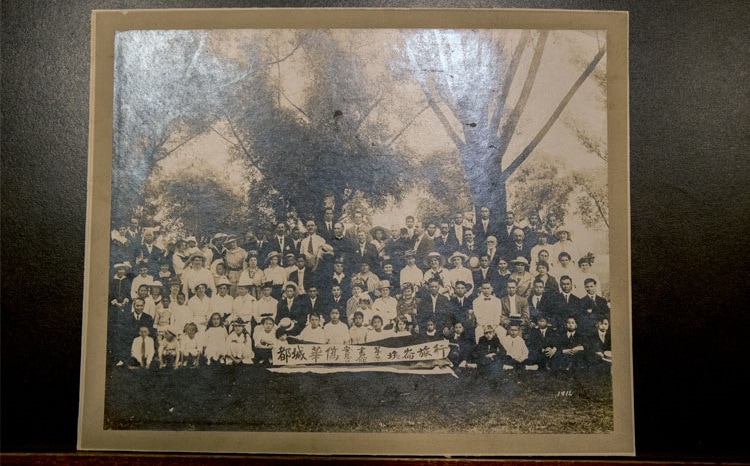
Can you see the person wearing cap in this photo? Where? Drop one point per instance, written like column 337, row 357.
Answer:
column 302, row 275
column 385, row 305
column 148, row 253
column 436, row 272
column 266, row 305
column 264, row 341
column 458, row 272
column 197, row 273
column 200, row 305
column 121, row 246
column 153, row 301
column 239, row 344
column 222, row 302
column 565, row 243
column 411, row 273
column 515, row 308
column 120, row 286
column 275, row 273
column 522, row 276
column 143, row 278
column 243, row 305
column 234, row 257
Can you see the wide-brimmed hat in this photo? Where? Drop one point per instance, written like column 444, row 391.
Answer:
column 434, row 255
column 244, row 281
column 201, row 282
column 271, row 255
column 174, row 281
column 196, row 254
column 384, row 284
column 292, row 284
column 410, row 253
column 223, row 281
column 520, row 260
column 239, row 322
column 456, row 254
column 285, row 323
column 155, row 283
column 564, row 228
column 123, row 265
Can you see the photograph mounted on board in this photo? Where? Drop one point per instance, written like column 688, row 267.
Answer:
column 378, row 232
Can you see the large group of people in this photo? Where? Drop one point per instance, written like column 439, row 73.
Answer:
column 505, row 294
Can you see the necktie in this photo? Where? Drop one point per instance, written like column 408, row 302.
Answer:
column 310, row 246
column 143, row 351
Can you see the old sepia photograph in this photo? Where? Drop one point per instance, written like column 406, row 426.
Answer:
column 348, row 233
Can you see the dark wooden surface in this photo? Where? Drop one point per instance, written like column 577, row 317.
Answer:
column 690, row 143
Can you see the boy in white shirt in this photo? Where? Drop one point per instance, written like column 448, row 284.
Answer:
column 142, row 350
column 336, row 332
column 518, row 352
column 313, row 332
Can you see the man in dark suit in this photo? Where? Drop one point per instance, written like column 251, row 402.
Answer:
column 457, row 228
column 294, row 307
column 484, row 226
column 325, row 225
column 492, row 250
column 540, row 303
column 423, row 245
column 445, row 243
column 565, row 303
column 571, row 346
column 599, row 348
column 484, row 273
column 461, row 303
column 302, row 276
column 281, row 242
column 435, row 307
column 364, row 252
column 504, row 233
column 515, row 308
column 336, row 300
column 359, row 225
column 149, row 254
column 315, row 304
column 592, row 307
column 128, row 327
column 517, row 246
column 543, row 342
column 470, row 246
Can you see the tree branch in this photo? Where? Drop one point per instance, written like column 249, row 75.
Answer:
column 555, row 115
column 509, row 128
column 406, row 126
column 279, row 60
column 367, row 113
column 497, row 113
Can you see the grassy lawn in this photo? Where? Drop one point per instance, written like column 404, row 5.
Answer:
column 235, row 398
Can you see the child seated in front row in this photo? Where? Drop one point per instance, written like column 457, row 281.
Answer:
column 191, row 347
column 313, row 332
column 215, row 340
column 517, row 352
column 163, row 318
column 142, row 350
column 376, row 332
column 358, row 331
column 264, row 338
column 239, row 345
column 336, row 332
column 169, row 350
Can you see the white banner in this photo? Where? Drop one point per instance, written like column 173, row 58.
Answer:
column 297, row 354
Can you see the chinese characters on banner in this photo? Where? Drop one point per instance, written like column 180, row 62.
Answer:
column 296, row 354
